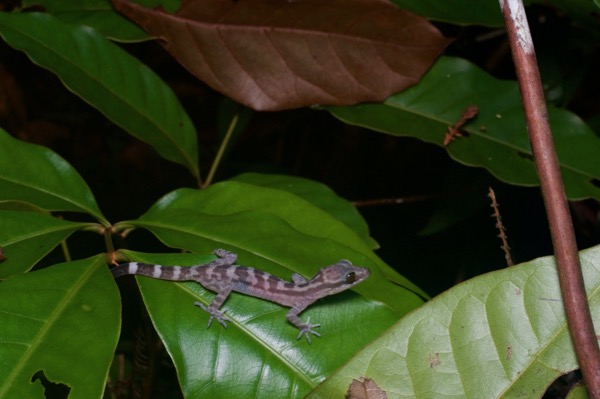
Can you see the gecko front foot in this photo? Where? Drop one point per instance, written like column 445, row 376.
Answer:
column 306, row 329
column 214, row 314
column 225, row 258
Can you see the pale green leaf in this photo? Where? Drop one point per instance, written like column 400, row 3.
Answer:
column 500, row 335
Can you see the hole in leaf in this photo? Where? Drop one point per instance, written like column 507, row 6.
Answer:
column 561, row 386
column 596, row 182
column 52, row 390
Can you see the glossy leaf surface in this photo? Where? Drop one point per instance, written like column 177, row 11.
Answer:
column 73, row 317
column 496, row 139
column 36, row 175
column 108, row 78
column 274, row 224
column 317, row 194
column 257, row 354
column 281, row 233
column 26, row 237
column 95, row 13
column 277, row 54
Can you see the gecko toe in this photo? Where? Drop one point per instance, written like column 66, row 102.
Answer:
column 215, row 314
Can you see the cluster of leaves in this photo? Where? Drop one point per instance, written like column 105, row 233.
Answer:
column 500, row 334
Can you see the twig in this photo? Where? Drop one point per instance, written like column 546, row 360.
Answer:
column 454, row 131
column 500, row 227
column 561, row 226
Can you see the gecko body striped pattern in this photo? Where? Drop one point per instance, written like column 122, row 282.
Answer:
column 223, row 276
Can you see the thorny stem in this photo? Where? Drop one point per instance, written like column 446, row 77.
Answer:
column 500, row 226
column 219, row 156
column 561, row 226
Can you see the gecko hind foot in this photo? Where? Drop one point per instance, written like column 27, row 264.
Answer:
column 306, row 329
column 214, row 315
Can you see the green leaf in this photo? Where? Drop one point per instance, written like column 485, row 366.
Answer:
column 63, row 321
column 27, row 237
column 118, row 85
column 313, row 232
column 578, row 392
column 100, row 15
column 487, row 12
column 317, row 194
column 97, row 14
column 465, row 12
column 34, row 174
column 497, row 139
column 500, row 335
column 259, row 338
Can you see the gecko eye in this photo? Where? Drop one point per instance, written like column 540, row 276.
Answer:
column 350, row 278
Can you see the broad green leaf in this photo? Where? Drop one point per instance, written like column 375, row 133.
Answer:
column 497, row 138
column 465, row 12
column 332, row 239
column 267, row 240
column 97, row 14
column 578, row 392
column 100, row 15
column 317, row 194
column 123, row 89
column 34, row 174
column 500, row 335
column 62, row 321
column 487, row 12
column 230, row 362
column 15, row 205
column 27, row 237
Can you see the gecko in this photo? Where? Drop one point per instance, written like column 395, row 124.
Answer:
column 223, row 276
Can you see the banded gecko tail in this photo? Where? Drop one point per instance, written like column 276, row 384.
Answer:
column 174, row 273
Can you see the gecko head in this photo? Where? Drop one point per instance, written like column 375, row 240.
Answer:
column 339, row 277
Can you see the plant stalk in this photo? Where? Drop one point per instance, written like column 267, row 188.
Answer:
column 219, row 156
column 575, row 301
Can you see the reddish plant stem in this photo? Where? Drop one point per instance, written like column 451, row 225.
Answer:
column 561, row 226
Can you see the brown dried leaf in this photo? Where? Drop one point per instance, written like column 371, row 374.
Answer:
column 278, row 54
column 365, row 388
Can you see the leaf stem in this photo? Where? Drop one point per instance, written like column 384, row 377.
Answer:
column 219, row 156
column 561, row 226
column 65, row 249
